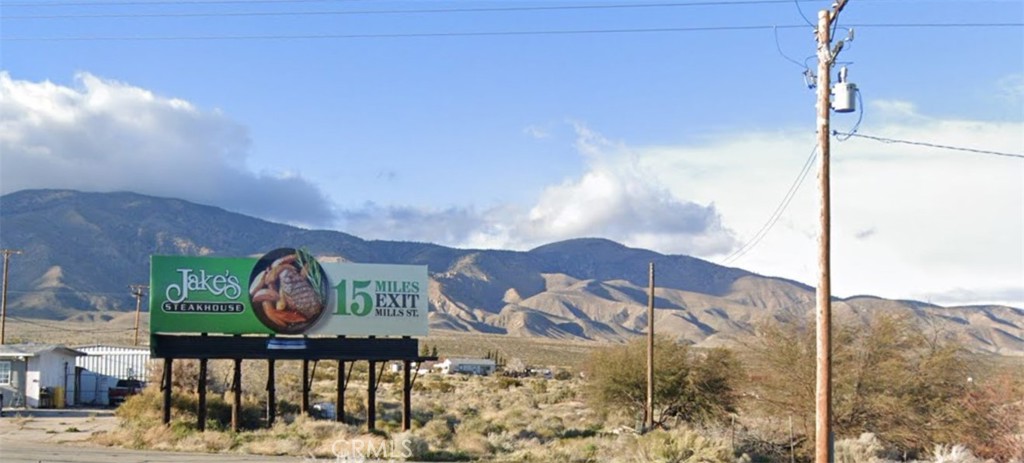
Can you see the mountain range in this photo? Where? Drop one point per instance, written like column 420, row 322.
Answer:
column 80, row 251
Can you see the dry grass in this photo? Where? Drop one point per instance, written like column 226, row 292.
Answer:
column 533, row 351
column 118, row 329
column 454, row 417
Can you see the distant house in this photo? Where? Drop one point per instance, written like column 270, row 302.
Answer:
column 103, row 365
column 38, row 375
column 482, row 367
column 416, row 367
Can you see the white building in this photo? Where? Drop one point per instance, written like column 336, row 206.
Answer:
column 102, row 366
column 482, row 367
column 416, row 367
column 37, row 375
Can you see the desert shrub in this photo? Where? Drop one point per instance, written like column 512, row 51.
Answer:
column 889, row 379
column 506, row 382
column 548, row 428
column 994, row 413
column 141, row 409
column 864, row 449
column 438, row 432
column 764, row 446
column 953, row 454
column 563, row 375
column 209, row 441
column 410, row 446
column 694, row 388
column 472, row 444
column 681, row 446
column 480, row 426
column 441, row 386
column 503, row 442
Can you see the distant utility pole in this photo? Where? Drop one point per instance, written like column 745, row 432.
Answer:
column 823, row 384
column 650, row 351
column 138, row 291
column 3, row 299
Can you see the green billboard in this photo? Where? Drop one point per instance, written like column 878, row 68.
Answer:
column 286, row 292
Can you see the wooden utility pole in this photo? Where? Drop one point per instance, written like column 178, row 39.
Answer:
column 138, row 291
column 823, row 378
column 3, row 298
column 650, row 351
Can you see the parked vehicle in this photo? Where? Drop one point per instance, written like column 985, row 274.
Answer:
column 124, row 388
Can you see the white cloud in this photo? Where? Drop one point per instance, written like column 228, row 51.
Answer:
column 105, row 135
column 614, row 198
column 620, row 199
column 907, row 220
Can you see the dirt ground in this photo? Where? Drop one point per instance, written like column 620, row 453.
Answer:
column 56, row 426
column 59, row 436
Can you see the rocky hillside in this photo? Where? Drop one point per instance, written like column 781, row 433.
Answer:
column 82, row 250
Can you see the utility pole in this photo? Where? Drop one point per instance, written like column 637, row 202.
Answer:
column 823, row 378
column 138, row 291
column 3, row 298
column 650, row 351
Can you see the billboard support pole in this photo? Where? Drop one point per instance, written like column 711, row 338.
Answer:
column 271, row 394
column 371, row 398
column 236, row 396
column 168, row 369
column 339, row 398
column 304, row 405
column 201, row 405
column 406, row 397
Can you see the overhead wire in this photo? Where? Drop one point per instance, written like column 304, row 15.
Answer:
column 168, row 2
column 265, row 2
column 70, row 291
column 403, row 11
column 928, row 144
column 802, row 15
column 64, row 328
column 468, row 33
column 775, row 32
column 395, row 35
column 776, row 214
column 45, row 4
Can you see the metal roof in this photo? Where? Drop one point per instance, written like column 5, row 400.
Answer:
column 34, row 349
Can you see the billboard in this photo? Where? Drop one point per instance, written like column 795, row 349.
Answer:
column 286, row 292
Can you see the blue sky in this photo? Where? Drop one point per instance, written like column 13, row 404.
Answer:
column 427, row 126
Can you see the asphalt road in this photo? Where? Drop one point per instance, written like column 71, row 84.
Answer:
column 21, row 451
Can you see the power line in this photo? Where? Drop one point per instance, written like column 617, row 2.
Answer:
column 62, row 328
column 400, row 34
column 802, row 15
column 404, row 11
column 266, row 2
column 272, row 2
column 167, row 38
column 927, row 144
column 169, row 2
column 68, row 291
column 776, row 214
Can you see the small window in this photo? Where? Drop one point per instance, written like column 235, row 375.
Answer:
column 5, row 372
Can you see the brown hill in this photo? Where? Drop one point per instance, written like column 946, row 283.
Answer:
column 82, row 250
